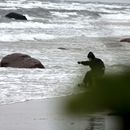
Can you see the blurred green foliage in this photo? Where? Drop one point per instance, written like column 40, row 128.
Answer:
column 112, row 92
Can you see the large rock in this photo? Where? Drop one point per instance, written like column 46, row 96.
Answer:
column 125, row 40
column 18, row 60
column 16, row 16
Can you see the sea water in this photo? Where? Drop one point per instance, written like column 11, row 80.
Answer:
column 59, row 33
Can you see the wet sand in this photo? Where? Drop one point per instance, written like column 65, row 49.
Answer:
column 31, row 115
column 38, row 115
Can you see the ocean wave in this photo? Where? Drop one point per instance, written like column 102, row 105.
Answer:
column 98, row 7
column 24, row 25
column 39, row 10
column 117, row 17
column 64, row 14
column 25, row 37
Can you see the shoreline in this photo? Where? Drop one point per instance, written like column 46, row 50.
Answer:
column 31, row 115
column 33, row 100
column 43, row 114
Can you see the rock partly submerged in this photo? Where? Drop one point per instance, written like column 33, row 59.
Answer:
column 62, row 48
column 125, row 40
column 16, row 16
column 19, row 60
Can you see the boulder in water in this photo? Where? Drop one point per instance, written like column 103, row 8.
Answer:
column 125, row 40
column 62, row 48
column 18, row 60
column 16, row 16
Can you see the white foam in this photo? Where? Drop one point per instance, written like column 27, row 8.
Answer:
column 29, row 18
column 30, row 24
column 117, row 17
column 105, row 8
column 17, row 37
column 47, row 5
column 64, row 14
column 20, row 4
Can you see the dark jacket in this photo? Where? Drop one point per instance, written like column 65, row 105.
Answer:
column 95, row 64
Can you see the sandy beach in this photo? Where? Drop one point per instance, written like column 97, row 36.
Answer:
column 46, row 114
column 32, row 115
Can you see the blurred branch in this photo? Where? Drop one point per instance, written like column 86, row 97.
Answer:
column 112, row 92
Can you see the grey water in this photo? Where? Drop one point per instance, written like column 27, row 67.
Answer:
column 77, row 26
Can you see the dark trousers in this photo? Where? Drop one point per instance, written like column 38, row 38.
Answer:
column 91, row 76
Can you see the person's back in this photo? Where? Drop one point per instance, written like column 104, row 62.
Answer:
column 97, row 64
